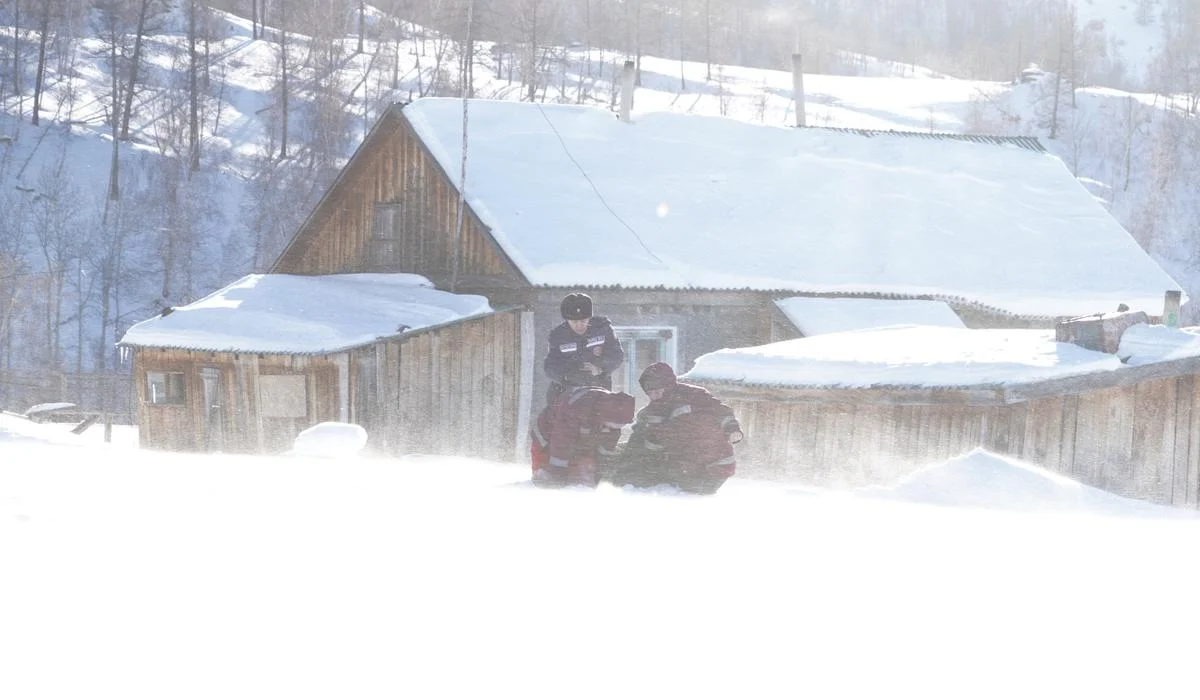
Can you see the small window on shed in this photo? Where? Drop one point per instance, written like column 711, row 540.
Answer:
column 165, row 388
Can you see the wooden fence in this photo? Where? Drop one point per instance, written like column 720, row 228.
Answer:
column 1134, row 432
column 108, row 393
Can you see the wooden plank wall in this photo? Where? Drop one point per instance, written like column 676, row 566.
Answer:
column 452, row 390
column 419, row 221
column 181, row 428
column 1141, row 440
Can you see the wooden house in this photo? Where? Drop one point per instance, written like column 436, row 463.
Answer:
column 686, row 230
column 869, row 407
column 249, row 367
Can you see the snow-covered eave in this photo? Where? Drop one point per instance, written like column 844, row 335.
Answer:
column 983, row 394
column 311, row 352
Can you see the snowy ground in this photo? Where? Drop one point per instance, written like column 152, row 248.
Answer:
column 137, row 574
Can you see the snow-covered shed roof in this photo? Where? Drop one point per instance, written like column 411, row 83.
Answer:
column 577, row 198
column 306, row 315
column 904, row 356
column 818, row 315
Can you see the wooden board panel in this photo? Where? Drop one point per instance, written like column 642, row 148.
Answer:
column 1182, row 453
column 1152, row 440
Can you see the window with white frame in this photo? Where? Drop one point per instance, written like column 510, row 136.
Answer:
column 643, row 346
column 165, row 388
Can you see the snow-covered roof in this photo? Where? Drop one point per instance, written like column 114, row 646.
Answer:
column 296, row 314
column 578, row 198
column 1145, row 344
column 818, row 315
column 904, row 356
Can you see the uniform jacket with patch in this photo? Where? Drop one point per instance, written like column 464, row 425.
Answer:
column 567, row 353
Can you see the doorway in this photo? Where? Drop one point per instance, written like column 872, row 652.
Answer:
column 213, row 418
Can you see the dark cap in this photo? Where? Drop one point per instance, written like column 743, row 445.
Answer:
column 657, row 376
column 576, row 306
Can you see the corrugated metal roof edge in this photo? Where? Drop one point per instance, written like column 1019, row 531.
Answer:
column 1029, row 143
column 948, row 298
column 378, row 339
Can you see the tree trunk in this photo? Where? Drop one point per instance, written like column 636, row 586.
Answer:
column 283, row 143
column 41, row 66
column 531, row 69
column 637, row 44
column 17, row 56
column 133, row 70
column 1131, row 129
column 193, row 93
column 362, row 24
column 396, row 67
column 1057, row 90
column 114, row 171
column 708, row 40
column 682, row 79
column 207, row 36
column 253, row 19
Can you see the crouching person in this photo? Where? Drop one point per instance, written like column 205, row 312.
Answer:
column 684, row 437
column 575, row 434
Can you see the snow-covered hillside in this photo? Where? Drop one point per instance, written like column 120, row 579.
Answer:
column 97, row 265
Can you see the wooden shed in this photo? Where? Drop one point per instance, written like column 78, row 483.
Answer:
column 1130, row 427
column 250, row 366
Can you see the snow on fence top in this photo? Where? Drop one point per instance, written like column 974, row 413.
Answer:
column 297, row 314
column 904, row 356
column 578, row 198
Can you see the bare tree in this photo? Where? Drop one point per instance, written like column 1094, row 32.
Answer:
column 362, row 23
column 144, row 14
column 682, row 41
column 14, row 274
column 283, row 82
column 55, row 229
column 193, row 93
column 16, row 55
column 44, row 32
column 112, row 27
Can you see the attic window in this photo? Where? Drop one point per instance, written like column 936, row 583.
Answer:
column 165, row 388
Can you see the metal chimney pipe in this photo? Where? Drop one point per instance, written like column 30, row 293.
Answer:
column 626, row 90
column 798, row 89
column 1171, row 303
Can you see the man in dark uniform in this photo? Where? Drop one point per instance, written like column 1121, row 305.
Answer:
column 583, row 350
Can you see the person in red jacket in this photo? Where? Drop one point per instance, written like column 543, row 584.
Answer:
column 581, row 428
column 684, row 437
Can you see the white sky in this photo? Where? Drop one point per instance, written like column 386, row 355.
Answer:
column 577, row 197
column 305, row 314
column 145, row 575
